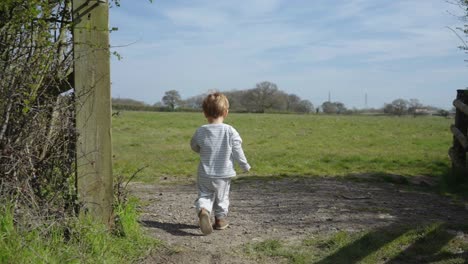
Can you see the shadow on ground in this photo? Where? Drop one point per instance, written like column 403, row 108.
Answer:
column 427, row 249
column 175, row 229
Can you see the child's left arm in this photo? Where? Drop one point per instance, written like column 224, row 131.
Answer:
column 238, row 152
column 194, row 145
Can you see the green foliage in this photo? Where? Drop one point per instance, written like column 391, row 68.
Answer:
column 37, row 160
column 77, row 241
column 287, row 145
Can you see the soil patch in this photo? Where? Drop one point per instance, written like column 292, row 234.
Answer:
column 287, row 209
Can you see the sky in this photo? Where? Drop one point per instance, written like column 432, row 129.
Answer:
column 385, row 49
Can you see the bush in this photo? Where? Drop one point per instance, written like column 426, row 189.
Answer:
column 78, row 240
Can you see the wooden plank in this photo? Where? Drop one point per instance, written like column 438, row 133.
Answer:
column 461, row 106
column 93, row 107
column 459, row 136
column 456, row 160
column 458, row 152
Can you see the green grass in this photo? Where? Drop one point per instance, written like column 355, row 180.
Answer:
column 79, row 241
column 434, row 243
column 287, row 145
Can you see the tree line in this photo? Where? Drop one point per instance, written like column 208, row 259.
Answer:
column 266, row 97
column 413, row 107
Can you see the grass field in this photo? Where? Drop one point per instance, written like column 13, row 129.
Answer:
column 286, row 145
column 282, row 145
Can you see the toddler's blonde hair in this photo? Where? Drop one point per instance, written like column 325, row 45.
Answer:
column 215, row 105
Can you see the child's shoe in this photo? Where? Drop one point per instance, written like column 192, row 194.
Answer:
column 205, row 224
column 220, row 223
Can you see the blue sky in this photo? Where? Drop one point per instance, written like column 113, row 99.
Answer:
column 387, row 49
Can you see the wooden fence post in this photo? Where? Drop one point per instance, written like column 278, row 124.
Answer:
column 93, row 108
column 459, row 131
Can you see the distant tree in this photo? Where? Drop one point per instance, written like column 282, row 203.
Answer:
column 397, row 107
column 264, row 97
column 171, row 99
column 329, row 108
column 261, row 97
column 292, row 101
column 236, row 100
column 400, row 106
column 304, row 106
column 388, row 109
column 413, row 106
column 341, row 109
column 333, row 108
column 194, row 102
column 279, row 101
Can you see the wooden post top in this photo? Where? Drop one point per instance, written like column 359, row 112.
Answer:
column 462, row 93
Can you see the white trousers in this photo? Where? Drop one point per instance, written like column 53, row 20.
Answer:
column 213, row 194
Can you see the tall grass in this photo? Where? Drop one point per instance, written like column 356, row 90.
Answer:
column 288, row 145
column 78, row 241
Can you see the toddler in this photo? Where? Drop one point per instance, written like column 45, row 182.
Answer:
column 219, row 145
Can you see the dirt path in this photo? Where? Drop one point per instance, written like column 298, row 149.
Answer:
column 290, row 209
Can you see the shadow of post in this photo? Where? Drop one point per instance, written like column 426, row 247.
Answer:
column 427, row 248
column 423, row 252
column 366, row 245
column 172, row 228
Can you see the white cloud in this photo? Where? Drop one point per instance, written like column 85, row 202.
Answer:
column 255, row 7
column 204, row 18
